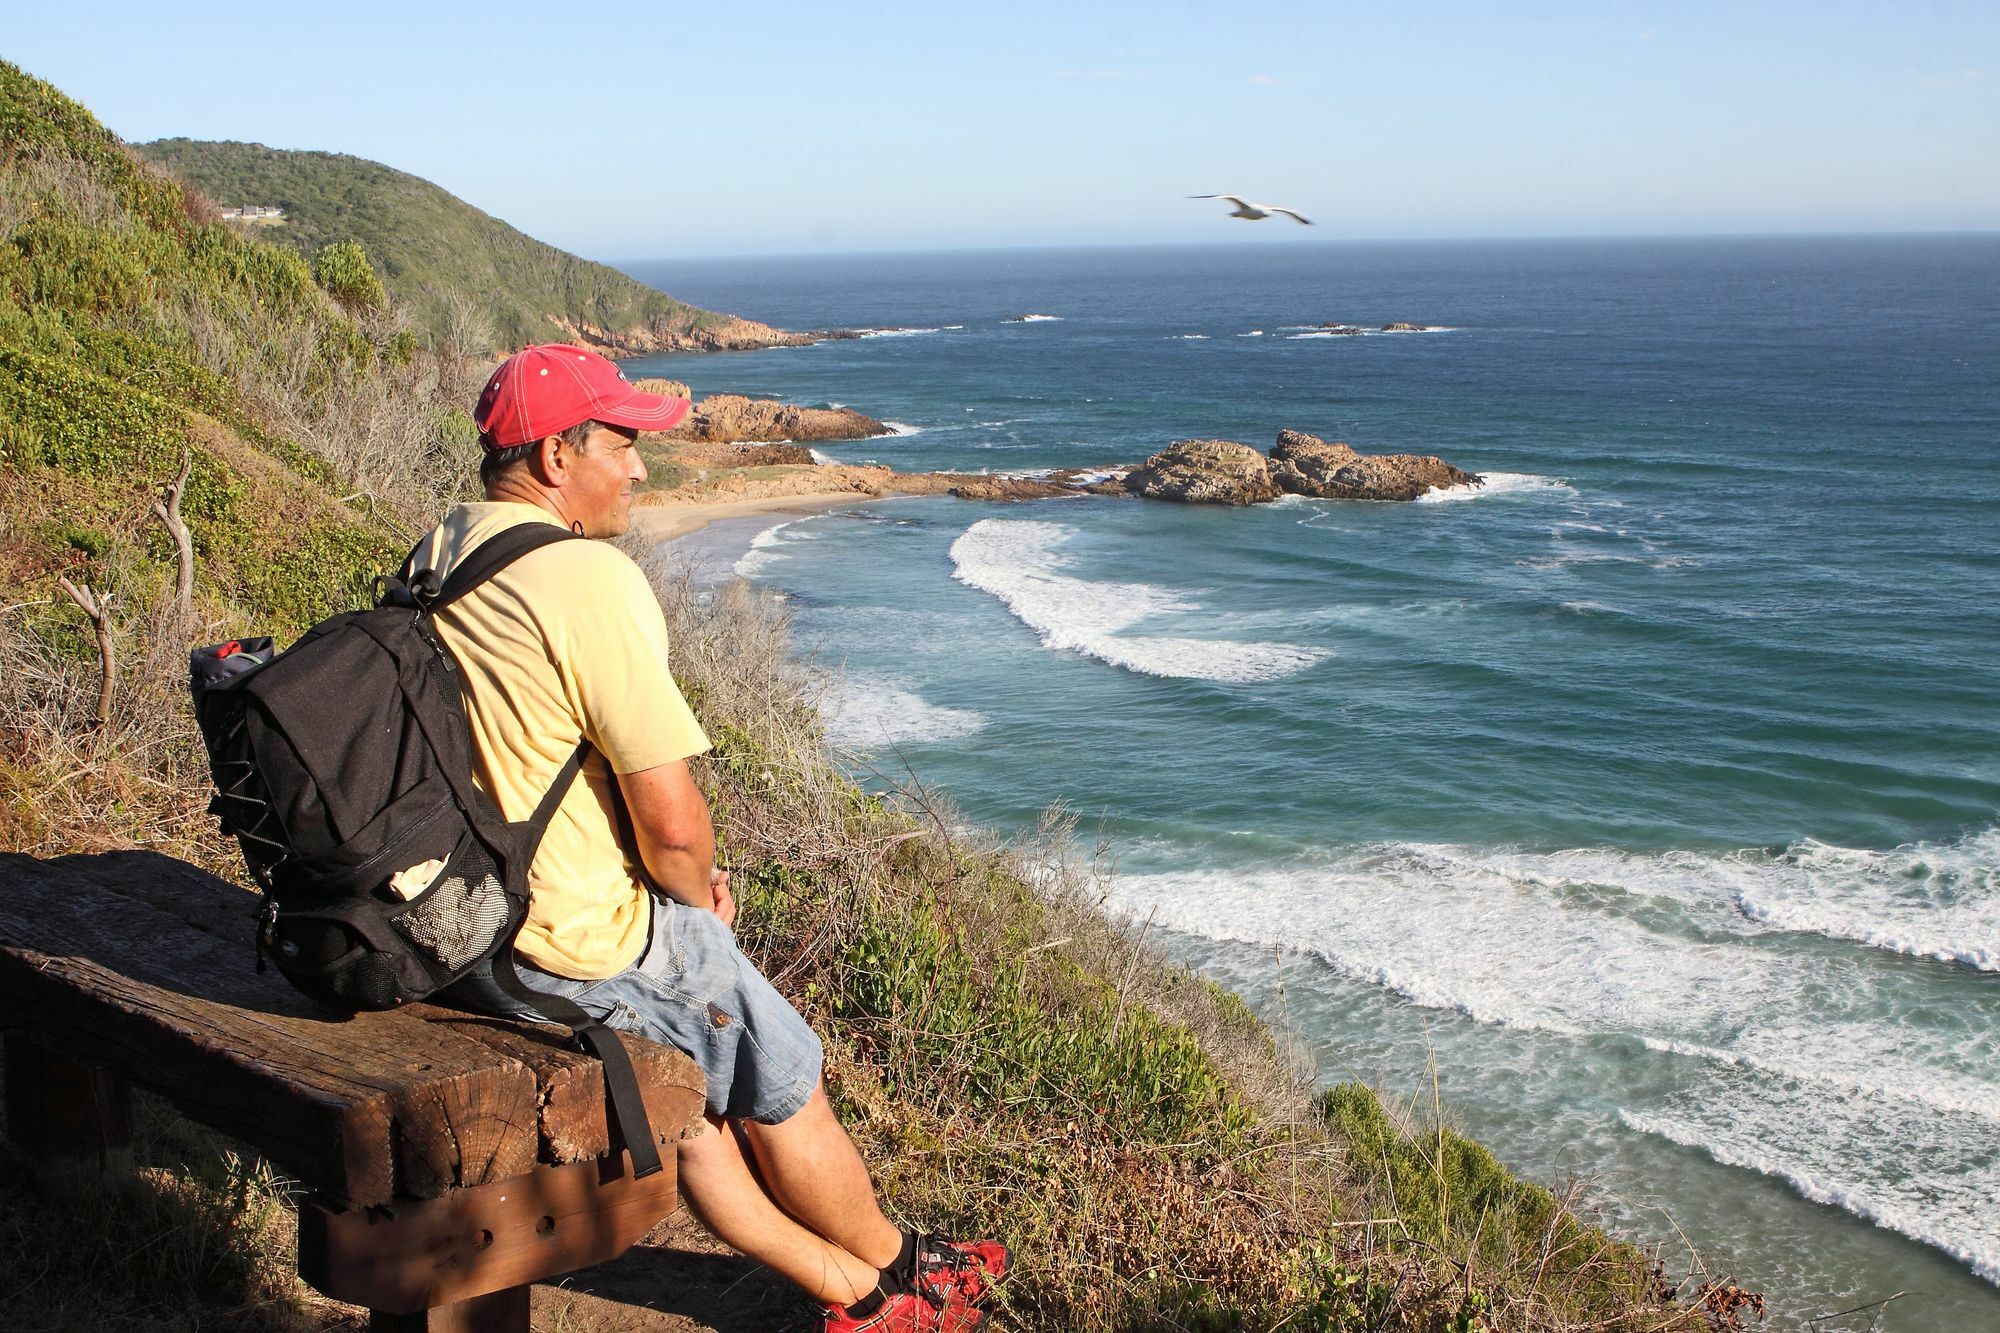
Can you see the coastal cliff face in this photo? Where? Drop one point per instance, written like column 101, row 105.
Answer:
column 1224, row 472
column 1205, row 472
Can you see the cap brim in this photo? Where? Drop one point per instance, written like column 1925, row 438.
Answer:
column 646, row 411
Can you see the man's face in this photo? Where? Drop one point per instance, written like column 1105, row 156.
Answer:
column 602, row 474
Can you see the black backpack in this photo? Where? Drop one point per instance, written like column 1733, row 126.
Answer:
column 346, row 761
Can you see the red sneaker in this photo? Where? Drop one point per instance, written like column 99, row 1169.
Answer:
column 906, row 1312
column 960, row 1272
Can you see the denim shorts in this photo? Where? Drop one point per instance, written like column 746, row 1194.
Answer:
column 692, row 989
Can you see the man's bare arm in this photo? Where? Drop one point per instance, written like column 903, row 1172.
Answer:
column 676, row 839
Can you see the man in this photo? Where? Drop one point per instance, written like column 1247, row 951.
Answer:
column 570, row 641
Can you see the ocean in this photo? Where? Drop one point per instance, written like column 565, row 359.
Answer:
column 1651, row 790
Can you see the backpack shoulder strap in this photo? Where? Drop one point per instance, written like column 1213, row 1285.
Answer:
column 495, row 554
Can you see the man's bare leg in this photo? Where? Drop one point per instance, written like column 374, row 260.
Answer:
column 716, row 1182
column 810, row 1167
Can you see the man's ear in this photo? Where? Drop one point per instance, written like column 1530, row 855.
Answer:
column 552, row 460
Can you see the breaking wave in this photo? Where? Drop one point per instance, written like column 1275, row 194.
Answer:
column 1021, row 563
column 867, row 712
column 1494, row 484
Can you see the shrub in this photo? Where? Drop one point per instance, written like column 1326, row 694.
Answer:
column 343, row 270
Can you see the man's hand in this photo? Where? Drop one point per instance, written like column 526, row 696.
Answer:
column 725, row 902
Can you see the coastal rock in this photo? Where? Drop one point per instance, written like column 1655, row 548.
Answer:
column 1008, row 488
column 1303, row 464
column 665, row 388
column 726, row 418
column 1404, row 326
column 1306, row 465
column 726, row 334
column 1344, row 330
column 1205, row 472
column 713, row 454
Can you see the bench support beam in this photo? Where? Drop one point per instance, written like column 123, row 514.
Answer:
column 438, row 1254
column 69, row 1121
column 498, row 1312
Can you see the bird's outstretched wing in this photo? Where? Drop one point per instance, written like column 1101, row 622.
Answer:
column 1235, row 199
column 1296, row 217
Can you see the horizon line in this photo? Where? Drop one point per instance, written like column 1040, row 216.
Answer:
column 1940, row 233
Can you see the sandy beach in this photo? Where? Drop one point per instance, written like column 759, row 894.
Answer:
column 667, row 522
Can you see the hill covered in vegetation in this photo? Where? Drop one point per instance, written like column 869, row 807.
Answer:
column 1010, row 1061
column 465, row 276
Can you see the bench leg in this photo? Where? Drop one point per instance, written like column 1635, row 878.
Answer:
column 69, row 1121
column 427, row 1256
column 496, row 1312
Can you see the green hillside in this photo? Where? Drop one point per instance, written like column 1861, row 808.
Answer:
column 448, row 262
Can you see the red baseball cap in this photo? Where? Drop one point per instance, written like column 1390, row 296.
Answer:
column 543, row 391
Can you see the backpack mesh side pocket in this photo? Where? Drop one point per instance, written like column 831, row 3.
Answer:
column 463, row 914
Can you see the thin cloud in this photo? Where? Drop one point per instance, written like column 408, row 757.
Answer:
column 1264, row 80
column 1961, row 78
column 1093, row 74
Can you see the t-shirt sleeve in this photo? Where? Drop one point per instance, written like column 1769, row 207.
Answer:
column 614, row 660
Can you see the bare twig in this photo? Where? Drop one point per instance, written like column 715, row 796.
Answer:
column 168, row 510
column 97, row 606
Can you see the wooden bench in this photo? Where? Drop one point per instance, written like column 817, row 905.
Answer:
column 449, row 1159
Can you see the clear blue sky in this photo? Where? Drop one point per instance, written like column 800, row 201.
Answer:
column 627, row 131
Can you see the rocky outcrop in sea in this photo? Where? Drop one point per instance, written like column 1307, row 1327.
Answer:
column 725, row 418
column 1224, row 472
column 1215, row 472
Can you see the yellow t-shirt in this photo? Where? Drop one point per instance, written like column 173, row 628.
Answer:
column 568, row 642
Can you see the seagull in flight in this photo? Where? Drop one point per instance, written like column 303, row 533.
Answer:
column 1256, row 212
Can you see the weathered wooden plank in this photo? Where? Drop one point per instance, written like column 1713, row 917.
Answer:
column 365, row 1110
column 488, row 1239
column 573, row 1121
column 145, row 964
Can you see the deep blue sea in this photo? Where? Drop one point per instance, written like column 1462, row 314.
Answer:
column 1654, row 787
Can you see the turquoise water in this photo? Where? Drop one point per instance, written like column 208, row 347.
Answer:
column 1652, row 786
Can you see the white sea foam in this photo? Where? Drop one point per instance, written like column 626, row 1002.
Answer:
column 1927, row 900
column 1588, row 941
column 1254, row 333
column 821, row 458
column 903, row 428
column 764, row 550
column 869, row 712
column 1810, row 1064
column 1022, row 563
column 954, row 326
column 1495, row 484
column 1034, row 319
column 1953, row 1213
column 1191, row 337
column 895, row 333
